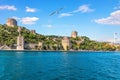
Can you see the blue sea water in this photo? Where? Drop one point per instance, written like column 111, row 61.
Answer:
column 59, row 65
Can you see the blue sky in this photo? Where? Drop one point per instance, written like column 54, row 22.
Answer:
column 97, row 19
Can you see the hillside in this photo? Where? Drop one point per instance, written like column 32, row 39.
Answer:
column 8, row 36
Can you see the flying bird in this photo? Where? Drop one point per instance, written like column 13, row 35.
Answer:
column 56, row 12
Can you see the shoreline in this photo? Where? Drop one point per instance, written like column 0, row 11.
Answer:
column 56, row 51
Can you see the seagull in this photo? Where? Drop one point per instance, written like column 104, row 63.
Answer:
column 56, row 12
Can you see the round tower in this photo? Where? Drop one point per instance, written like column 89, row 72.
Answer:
column 66, row 43
column 11, row 22
column 74, row 34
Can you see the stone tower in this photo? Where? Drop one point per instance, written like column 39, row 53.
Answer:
column 20, row 43
column 66, row 43
column 74, row 34
column 20, row 40
column 11, row 22
column 33, row 31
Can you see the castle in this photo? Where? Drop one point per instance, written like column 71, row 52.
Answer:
column 66, row 42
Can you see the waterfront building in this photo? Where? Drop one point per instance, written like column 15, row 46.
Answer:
column 74, row 34
column 11, row 22
column 66, row 43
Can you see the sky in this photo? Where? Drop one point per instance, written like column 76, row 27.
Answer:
column 96, row 19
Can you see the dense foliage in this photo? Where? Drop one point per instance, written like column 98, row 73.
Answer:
column 8, row 36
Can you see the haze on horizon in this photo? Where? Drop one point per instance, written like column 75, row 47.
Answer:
column 96, row 19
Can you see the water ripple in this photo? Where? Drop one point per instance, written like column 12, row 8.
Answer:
column 59, row 66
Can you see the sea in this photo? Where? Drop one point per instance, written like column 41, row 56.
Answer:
column 53, row 65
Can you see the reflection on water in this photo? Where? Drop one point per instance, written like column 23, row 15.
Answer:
column 59, row 66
